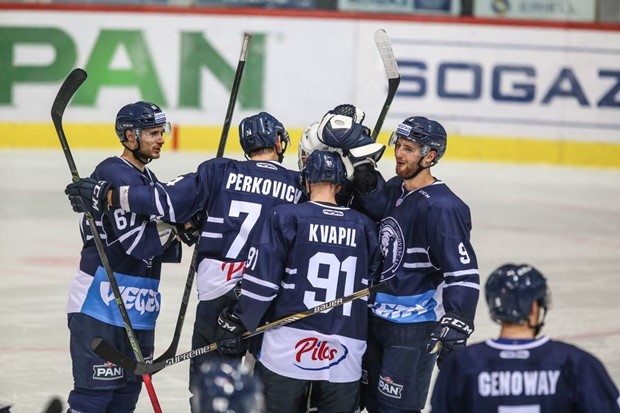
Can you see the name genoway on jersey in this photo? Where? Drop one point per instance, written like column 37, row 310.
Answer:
column 330, row 234
column 517, row 383
column 263, row 186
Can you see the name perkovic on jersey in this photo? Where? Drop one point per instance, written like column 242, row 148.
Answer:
column 134, row 251
column 428, row 260
column 234, row 195
column 542, row 376
column 302, row 256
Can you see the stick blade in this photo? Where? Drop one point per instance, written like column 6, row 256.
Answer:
column 107, row 352
column 71, row 84
column 387, row 54
column 54, row 406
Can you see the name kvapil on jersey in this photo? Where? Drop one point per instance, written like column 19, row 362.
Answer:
column 331, row 234
column 263, row 186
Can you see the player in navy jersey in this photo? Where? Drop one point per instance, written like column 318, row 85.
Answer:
column 135, row 251
column 228, row 198
column 521, row 372
column 302, row 256
column 428, row 262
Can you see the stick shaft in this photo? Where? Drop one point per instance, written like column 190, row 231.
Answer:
column 233, row 94
column 391, row 69
column 108, row 352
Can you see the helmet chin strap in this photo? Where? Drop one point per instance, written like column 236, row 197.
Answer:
column 539, row 325
column 420, row 169
column 136, row 152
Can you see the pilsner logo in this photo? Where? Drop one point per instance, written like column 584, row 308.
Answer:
column 108, row 371
column 389, row 388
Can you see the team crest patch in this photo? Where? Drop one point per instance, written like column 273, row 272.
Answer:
column 108, row 371
column 391, row 244
column 389, row 388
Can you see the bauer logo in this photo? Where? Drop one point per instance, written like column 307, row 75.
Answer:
column 108, row 371
column 314, row 354
column 389, row 388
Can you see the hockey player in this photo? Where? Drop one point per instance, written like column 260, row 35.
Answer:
column 302, row 256
column 234, row 196
column 135, row 252
column 428, row 262
column 226, row 388
column 519, row 371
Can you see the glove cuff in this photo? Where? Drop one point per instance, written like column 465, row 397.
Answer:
column 458, row 322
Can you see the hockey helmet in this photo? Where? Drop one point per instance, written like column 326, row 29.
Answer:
column 138, row 116
column 426, row 132
column 511, row 289
column 226, row 388
column 324, row 166
column 261, row 131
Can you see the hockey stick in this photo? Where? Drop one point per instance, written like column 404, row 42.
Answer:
column 71, row 84
column 54, row 406
column 189, row 282
column 109, row 353
column 233, row 94
column 391, row 68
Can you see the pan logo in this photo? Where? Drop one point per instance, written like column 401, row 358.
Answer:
column 500, row 6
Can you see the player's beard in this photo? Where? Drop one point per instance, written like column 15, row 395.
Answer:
column 406, row 170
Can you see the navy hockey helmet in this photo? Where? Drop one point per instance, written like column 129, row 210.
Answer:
column 324, row 166
column 138, row 116
column 261, row 131
column 511, row 289
column 226, row 388
column 426, row 132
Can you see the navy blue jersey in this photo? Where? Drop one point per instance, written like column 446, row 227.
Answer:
column 542, row 376
column 429, row 261
column 133, row 250
column 302, row 256
column 234, row 195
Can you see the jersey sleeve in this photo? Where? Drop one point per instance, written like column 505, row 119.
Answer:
column 177, row 200
column 372, row 204
column 449, row 390
column 449, row 236
column 264, row 269
column 375, row 259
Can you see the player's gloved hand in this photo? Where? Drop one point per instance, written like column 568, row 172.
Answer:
column 88, row 195
column 365, row 178
column 167, row 233
column 228, row 334
column 451, row 333
column 188, row 234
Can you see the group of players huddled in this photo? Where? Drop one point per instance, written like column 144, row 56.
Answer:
column 271, row 242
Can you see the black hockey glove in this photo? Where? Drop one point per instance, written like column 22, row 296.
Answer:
column 188, row 236
column 451, row 334
column 88, row 195
column 228, row 334
column 365, row 178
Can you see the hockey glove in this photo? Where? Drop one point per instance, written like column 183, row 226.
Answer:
column 167, row 233
column 451, row 334
column 365, row 178
column 228, row 334
column 89, row 195
column 188, row 235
